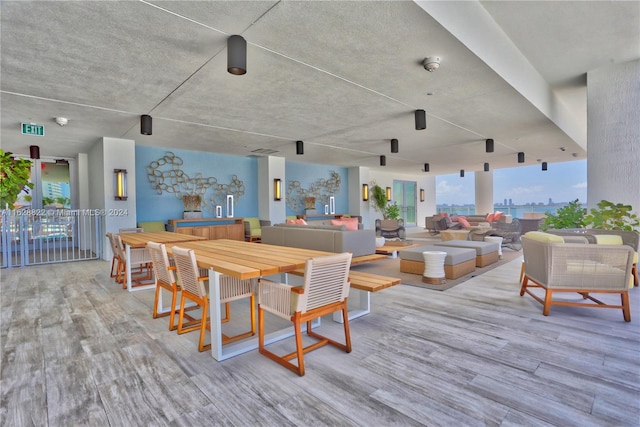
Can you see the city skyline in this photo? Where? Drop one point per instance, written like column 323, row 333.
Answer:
column 562, row 182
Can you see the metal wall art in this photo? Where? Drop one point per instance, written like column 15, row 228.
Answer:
column 166, row 176
column 322, row 190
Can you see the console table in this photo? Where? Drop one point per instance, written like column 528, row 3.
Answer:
column 209, row 228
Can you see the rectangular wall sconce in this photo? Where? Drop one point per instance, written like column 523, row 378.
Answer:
column 388, row 194
column 120, row 184
column 422, row 194
column 365, row 192
column 277, row 189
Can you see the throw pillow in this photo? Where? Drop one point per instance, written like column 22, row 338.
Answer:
column 490, row 218
column 291, row 221
column 462, row 220
column 497, row 215
column 351, row 224
column 301, row 221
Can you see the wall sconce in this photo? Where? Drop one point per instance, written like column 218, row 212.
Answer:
column 521, row 157
column 236, row 55
column 120, row 184
column 544, row 166
column 365, row 192
column 388, row 192
column 461, row 173
column 277, row 189
column 422, row 194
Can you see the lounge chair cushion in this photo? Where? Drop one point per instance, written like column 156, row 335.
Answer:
column 541, row 236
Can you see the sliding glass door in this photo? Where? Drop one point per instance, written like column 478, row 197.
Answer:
column 404, row 194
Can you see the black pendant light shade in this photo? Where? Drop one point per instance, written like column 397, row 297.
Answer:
column 421, row 119
column 394, row 145
column 34, row 151
column 426, row 167
column 521, row 157
column 236, row 55
column 489, row 145
column 146, row 124
column 461, row 173
column 383, row 160
column 299, row 148
column 486, row 167
column 544, row 166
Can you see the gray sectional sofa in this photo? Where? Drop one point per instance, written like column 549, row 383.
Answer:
column 327, row 238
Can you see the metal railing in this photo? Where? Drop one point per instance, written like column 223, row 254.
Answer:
column 44, row 236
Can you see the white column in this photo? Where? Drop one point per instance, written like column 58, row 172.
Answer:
column 484, row 192
column 613, row 142
column 270, row 168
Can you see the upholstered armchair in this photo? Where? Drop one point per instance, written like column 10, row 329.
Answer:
column 253, row 229
column 555, row 266
column 510, row 233
column 390, row 228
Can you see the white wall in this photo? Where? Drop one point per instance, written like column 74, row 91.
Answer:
column 613, row 143
column 105, row 156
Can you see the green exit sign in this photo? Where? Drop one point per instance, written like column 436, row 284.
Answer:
column 32, row 129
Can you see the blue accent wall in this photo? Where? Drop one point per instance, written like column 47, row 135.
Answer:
column 307, row 174
column 152, row 206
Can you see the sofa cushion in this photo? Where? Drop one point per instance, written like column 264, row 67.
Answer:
column 463, row 220
column 541, row 236
column 608, row 239
column 152, row 226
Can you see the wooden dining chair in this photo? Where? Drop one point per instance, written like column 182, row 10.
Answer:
column 193, row 289
column 115, row 260
column 325, row 290
column 165, row 279
column 140, row 259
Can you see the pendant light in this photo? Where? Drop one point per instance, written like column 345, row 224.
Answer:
column 394, row 145
column 426, row 167
column 383, row 160
column 236, row 55
column 521, row 157
column 486, row 167
column 146, row 124
column 421, row 119
column 299, row 148
column 489, row 145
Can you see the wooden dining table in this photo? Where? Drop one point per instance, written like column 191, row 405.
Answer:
column 139, row 240
column 244, row 260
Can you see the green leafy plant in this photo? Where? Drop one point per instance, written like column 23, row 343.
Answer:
column 612, row 216
column 14, row 177
column 392, row 211
column 570, row 216
column 379, row 198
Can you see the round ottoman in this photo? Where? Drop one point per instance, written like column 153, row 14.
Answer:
column 434, row 267
column 495, row 239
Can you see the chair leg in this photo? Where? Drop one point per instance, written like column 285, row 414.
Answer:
column 547, row 302
column 299, row 348
column 626, row 312
column 634, row 272
column 524, row 279
column 203, row 327
column 521, row 273
column 347, row 332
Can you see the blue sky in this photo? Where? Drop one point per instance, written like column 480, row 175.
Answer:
column 562, row 182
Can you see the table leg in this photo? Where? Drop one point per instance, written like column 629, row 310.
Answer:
column 363, row 305
column 127, row 251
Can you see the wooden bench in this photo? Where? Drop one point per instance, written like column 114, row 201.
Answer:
column 367, row 258
column 362, row 284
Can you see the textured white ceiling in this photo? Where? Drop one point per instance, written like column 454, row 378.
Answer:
column 345, row 77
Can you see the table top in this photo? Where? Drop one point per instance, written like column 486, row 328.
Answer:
column 139, row 240
column 247, row 260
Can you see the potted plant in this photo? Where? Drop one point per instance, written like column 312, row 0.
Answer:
column 192, row 203
column 14, row 177
column 392, row 211
column 612, row 216
column 379, row 198
column 570, row 216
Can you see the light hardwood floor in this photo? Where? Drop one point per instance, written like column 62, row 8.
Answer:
column 77, row 350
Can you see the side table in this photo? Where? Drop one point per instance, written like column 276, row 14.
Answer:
column 434, row 267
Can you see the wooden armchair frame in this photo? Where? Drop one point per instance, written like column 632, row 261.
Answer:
column 575, row 267
column 325, row 291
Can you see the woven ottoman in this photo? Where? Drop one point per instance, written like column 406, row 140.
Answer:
column 486, row 252
column 457, row 262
